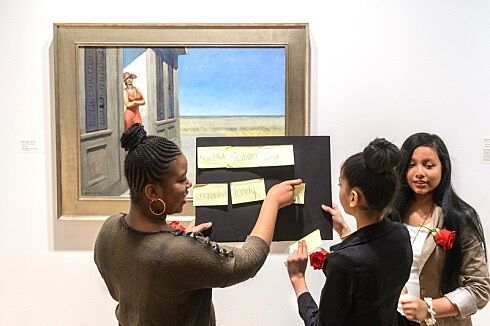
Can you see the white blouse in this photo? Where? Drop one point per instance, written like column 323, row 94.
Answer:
column 418, row 235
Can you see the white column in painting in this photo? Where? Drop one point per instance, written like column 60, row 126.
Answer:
column 151, row 95
column 165, row 90
column 176, row 105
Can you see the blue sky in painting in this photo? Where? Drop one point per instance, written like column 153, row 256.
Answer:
column 232, row 81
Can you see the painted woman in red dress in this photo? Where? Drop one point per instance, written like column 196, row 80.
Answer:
column 132, row 100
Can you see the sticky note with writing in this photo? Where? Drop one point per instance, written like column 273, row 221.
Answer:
column 276, row 155
column 212, row 157
column 243, row 156
column 211, row 194
column 247, row 191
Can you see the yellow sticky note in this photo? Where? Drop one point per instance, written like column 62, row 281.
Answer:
column 247, row 191
column 243, row 156
column 276, row 155
column 313, row 241
column 212, row 157
column 211, row 194
column 299, row 194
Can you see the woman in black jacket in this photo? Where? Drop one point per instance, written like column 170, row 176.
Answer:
column 367, row 271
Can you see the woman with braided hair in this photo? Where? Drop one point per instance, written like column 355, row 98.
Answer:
column 160, row 275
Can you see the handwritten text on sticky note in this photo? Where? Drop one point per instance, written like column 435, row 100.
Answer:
column 247, row 191
column 212, row 194
column 244, row 156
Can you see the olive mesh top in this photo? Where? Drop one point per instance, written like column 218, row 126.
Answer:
column 166, row 278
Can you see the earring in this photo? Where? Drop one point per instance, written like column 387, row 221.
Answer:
column 163, row 203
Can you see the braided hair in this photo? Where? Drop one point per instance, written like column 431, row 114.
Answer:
column 373, row 172
column 148, row 159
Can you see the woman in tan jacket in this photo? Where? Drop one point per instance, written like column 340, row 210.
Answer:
column 449, row 280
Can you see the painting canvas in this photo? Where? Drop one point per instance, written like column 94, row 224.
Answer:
column 185, row 80
column 177, row 92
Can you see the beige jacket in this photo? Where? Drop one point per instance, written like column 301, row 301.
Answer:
column 474, row 281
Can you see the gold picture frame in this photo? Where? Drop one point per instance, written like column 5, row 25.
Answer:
column 68, row 38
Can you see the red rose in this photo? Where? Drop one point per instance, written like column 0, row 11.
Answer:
column 445, row 238
column 177, row 225
column 317, row 258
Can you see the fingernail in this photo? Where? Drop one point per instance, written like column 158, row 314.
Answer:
column 209, row 223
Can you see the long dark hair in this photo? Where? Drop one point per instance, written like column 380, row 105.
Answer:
column 148, row 159
column 458, row 215
column 373, row 172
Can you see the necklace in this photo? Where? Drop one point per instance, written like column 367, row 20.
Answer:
column 422, row 225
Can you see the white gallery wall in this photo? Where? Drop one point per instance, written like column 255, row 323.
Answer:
column 379, row 69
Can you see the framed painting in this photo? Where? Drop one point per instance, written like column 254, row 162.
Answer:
column 180, row 81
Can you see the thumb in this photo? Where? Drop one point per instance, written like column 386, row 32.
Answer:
column 295, row 182
column 404, row 298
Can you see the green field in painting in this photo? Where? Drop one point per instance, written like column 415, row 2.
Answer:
column 232, row 126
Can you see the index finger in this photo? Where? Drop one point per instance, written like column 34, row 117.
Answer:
column 303, row 247
column 328, row 209
column 202, row 227
column 300, row 247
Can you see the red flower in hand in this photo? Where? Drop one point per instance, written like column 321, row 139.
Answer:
column 443, row 237
column 317, row 258
column 177, row 225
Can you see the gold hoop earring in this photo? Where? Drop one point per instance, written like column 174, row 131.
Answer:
column 163, row 203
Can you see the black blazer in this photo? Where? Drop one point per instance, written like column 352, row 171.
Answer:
column 365, row 275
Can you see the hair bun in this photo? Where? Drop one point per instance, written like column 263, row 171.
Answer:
column 133, row 136
column 381, row 156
